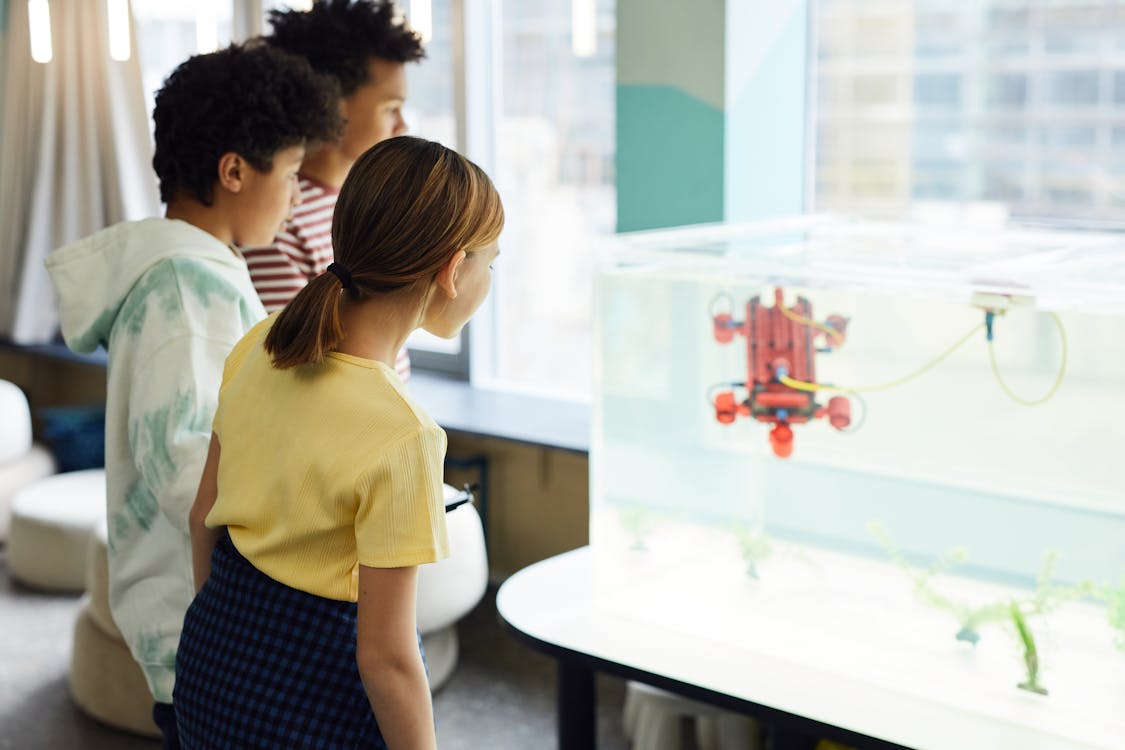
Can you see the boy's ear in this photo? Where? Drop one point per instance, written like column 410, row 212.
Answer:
column 447, row 276
column 232, row 172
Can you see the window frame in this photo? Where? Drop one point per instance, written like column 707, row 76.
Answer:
column 476, row 99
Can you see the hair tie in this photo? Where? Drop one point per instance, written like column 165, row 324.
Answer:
column 341, row 273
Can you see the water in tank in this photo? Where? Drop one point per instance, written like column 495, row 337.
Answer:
column 931, row 400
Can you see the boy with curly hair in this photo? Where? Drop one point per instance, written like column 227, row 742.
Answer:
column 169, row 298
column 364, row 46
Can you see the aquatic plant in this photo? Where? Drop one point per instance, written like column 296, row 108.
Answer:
column 1046, row 597
column 754, row 546
column 637, row 522
column 1115, row 611
column 969, row 617
column 1030, row 652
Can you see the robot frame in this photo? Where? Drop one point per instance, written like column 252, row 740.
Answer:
column 781, row 347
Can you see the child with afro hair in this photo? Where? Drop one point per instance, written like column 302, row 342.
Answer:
column 364, row 45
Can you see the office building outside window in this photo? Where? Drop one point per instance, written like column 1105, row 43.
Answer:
column 1020, row 103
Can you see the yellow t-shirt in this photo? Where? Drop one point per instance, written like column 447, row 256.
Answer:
column 326, row 467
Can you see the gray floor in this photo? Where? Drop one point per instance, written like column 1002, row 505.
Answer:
column 501, row 697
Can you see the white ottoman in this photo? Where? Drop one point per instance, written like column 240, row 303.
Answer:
column 105, row 682
column 18, row 473
column 21, row 463
column 97, row 582
column 653, row 720
column 51, row 524
column 15, row 423
column 449, row 589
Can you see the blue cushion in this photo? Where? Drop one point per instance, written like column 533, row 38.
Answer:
column 76, row 435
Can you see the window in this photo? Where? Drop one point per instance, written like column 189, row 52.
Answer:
column 940, row 141
column 941, row 91
column 535, row 106
column 169, row 33
column 1070, row 42
column 1006, row 135
column 1070, row 135
column 1072, row 88
column 429, row 107
column 1022, row 107
column 554, row 166
column 1007, row 47
column 874, row 91
column 1009, row 19
column 935, row 35
column 285, row 5
column 883, row 37
column 1003, row 181
column 430, row 113
column 1007, row 91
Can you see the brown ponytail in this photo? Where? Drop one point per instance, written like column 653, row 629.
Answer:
column 309, row 326
column 407, row 206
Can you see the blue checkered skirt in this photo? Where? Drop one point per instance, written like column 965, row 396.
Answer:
column 263, row 665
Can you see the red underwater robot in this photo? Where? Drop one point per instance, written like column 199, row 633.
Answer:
column 781, row 347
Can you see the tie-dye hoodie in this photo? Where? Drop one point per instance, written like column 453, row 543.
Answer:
column 168, row 301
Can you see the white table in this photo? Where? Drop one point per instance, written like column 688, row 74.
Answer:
column 828, row 645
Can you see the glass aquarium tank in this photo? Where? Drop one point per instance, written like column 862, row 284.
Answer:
column 901, row 428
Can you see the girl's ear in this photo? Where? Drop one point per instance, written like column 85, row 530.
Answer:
column 232, row 172
column 447, row 276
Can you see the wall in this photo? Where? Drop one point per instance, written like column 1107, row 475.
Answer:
column 711, row 111
column 48, row 381
column 538, row 500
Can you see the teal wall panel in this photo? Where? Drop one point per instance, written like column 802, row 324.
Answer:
column 669, row 158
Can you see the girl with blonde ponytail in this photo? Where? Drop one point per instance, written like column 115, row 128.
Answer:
column 322, row 492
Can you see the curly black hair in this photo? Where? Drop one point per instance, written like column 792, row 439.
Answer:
column 339, row 37
column 252, row 99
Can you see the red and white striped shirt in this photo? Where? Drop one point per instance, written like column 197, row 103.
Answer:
column 300, row 253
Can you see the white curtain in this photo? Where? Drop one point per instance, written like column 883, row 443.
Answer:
column 3, row 53
column 75, row 153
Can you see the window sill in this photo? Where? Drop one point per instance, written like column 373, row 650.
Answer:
column 454, row 404
column 534, row 420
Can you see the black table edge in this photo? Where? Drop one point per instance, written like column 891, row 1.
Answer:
column 758, row 711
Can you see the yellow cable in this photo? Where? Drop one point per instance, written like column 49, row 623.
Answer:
column 812, row 387
column 1058, row 378
column 829, row 330
column 803, row 386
